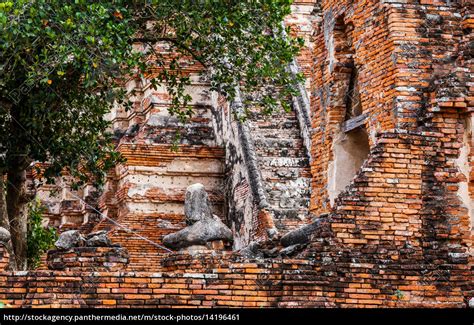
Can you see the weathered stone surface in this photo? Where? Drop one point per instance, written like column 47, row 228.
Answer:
column 291, row 250
column 270, row 248
column 196, row 206
column 88, row 259
column 98, row 239
column 203, row 225
column 4, row 236
column 69, row 239
column 251, row 251
column 96, row 233
column 195, row 249
column 201, row 232
column 301, row 235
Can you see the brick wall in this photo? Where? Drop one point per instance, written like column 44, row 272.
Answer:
column 145, row 195
column 88, row 259
column 4, row 258
column 245, row 199
column 393, row 229
column 370, row 49
column 402, row 50
column 402, row 218
column 228, row 281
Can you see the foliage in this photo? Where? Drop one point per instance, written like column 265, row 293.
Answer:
column 240, row 43
column 57, row 82
column 399, row 294
column 39, row 238
column 63, row 64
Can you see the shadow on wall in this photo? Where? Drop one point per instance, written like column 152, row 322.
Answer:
column 350, row 150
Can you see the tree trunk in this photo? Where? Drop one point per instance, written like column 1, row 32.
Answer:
column 3, row 205
column 4, row 222
column 17, row 211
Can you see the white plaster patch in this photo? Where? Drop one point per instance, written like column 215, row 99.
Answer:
column 138, row 190
column 350, row 152
column 285, row 162
column 462, row 163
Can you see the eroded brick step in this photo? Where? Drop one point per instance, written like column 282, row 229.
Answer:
column 276, row 124
column 276, row 143
column 285, row 174
column 282, row 115
column 288, row 199
column 284, row 166
column 299, row 185
column 291, row 204
column 286, row 225
column 277, row 133
column 283, row 162
column 188, row 136
column 281, row 213
column 273, row 147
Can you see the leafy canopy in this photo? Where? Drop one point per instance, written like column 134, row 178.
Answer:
column 63, row 65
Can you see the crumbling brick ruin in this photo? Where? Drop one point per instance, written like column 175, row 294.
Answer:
column 361, row 196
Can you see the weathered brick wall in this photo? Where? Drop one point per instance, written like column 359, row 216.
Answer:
column 227, row 281
column 402, row 50
column 267, row 160
column 402, row 220
column 397, row 227
column 4, row 258
column 64, row 207
column 144, row 196
column 371, row 48
column 402, row 217
column 241, row 200
column 268, row 175
column 88, row 259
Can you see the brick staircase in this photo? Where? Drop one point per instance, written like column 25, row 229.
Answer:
column 284, row 167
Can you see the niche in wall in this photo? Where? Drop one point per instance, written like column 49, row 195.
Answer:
column 351, row 143
column 350, row 150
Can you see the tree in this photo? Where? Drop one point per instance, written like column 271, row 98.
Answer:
column 63, row 64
